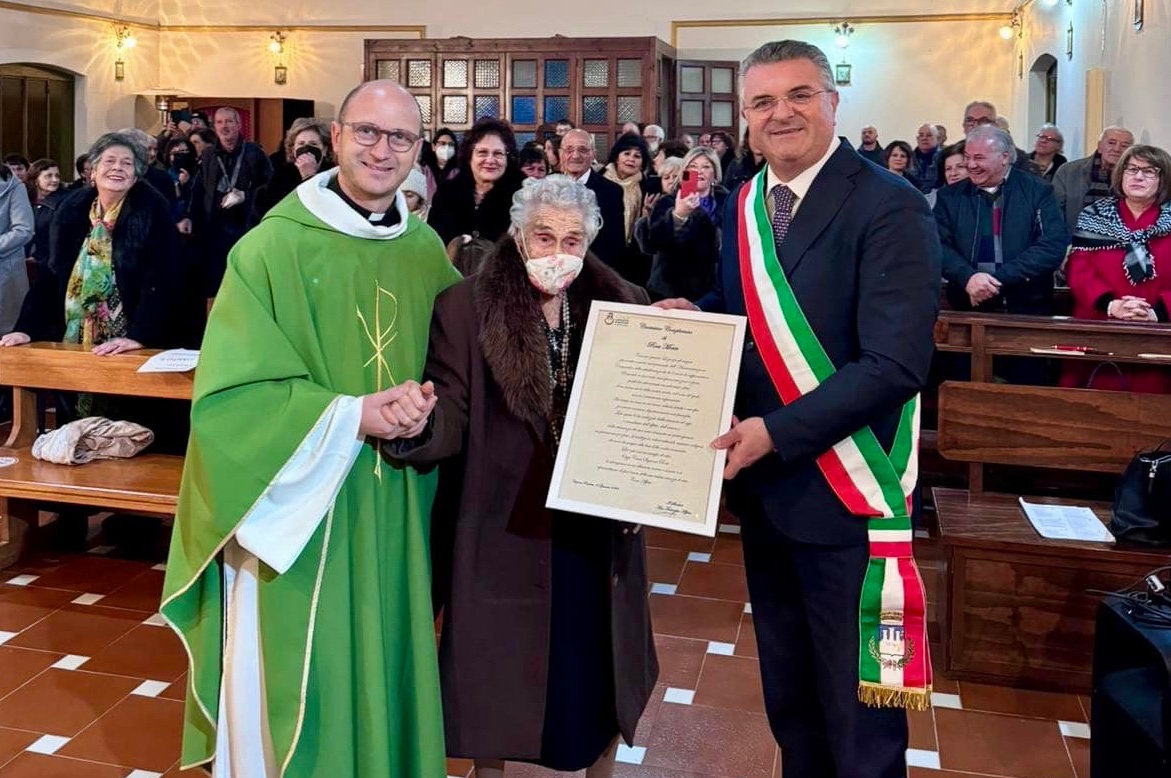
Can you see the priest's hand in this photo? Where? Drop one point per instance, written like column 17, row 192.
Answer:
column 746, row 442
column 411, row 411
column 374, row 422
column 676, row 303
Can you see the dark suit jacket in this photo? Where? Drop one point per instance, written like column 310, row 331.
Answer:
column 610, row 244
column 1033, row 233
column 862, row 258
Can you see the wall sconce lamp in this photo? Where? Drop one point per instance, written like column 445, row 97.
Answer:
column 123, row 39
column 844, row 31
column 1014, row 28
column 276, row 42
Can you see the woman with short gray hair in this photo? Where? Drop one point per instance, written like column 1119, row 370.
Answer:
column 547, row 654
column 115, row 269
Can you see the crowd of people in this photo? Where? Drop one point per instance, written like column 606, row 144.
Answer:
column 306, row 565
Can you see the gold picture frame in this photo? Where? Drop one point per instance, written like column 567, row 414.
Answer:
column 280, row 75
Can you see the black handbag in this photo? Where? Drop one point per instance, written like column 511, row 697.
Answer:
column 1142, row 501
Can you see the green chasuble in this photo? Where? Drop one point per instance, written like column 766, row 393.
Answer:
column 317, row 304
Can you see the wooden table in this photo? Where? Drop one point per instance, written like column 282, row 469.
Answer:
column 1018, row 610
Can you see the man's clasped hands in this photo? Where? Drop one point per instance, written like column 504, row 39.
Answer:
column 399, row 412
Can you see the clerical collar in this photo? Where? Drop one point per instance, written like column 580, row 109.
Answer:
column 388, row 219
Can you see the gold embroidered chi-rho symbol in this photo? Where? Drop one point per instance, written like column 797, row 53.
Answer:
column 380, row 336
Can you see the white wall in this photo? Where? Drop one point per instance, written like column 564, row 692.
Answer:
column 1138, row 90
column 903, row 74
column 85, row 48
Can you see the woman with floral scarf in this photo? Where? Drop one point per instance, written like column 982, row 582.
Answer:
column 1120, row 264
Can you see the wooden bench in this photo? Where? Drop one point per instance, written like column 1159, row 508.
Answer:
column 147, row 484
column 1017, row 610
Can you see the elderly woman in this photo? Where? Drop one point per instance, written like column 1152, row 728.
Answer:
column 1120, row 264
column 115, row 277
column 308, row 151
column 17, row 225
column 547, row 653
column 627, row 166
column 476, row 201
column 684, row 232
column 1046, row 153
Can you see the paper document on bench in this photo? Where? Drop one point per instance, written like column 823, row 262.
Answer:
column 176, row 360
column 1066, row 522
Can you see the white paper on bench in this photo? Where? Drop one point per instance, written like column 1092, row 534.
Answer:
column 1066, row 522
column 176, row 360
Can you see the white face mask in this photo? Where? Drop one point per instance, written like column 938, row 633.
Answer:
column 444, row 153
column 553, row 274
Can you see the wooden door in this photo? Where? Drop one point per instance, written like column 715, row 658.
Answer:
column 706, row 97
column 36, row 114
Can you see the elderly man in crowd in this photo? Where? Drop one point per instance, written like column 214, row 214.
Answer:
column 926, row 152
column 870, row 148
column 653, row 134
column 980, row 112
column 1001, row 231
column 1084, row 181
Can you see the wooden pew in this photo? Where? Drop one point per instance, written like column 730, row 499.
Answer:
column 1017, row 610
column 147, row 484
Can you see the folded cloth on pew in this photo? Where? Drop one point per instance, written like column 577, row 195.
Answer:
column 94, row 437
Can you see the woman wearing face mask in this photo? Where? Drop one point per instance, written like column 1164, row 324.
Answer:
column 547, row 654
column 307, row 152
column 182, row 165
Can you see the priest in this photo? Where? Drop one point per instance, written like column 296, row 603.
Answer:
column 298, row 576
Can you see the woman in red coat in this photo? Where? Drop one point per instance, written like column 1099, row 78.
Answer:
column 1120, row 265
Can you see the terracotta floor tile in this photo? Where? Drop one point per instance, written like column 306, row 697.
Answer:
column 177, row 690
column 645, row 771
column 1021, row 702
column 694, row 617
column 646, row 724
column 18, row 665
column 521, row 770
column 139, row 732
column 78, row 629
column 83, row 573
column 144, row 652
column 63, row 702
column 141, row 593
column 14, row 741
column 940, row 682
column 746, row 640
column 729, row 550
column 992, row 743
column 680, row 541
column 922, row 726
column 712, row 742
column 923, row 772
column 1079, row 753
column 680, row 660
column 459, row 768
column 731, row 682
column 40, row 766
column 714, row 581
column 23, row 606
column 665, row 565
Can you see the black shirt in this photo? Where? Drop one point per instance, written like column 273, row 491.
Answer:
column 388, row 219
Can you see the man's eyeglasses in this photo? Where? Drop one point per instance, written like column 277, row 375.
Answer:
column 1142, row 172
column 797, row 99
column 971, row 122
column 370, row 134
column 1049, row 138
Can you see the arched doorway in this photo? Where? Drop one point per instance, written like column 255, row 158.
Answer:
column 36, row 113
column 1042, row 91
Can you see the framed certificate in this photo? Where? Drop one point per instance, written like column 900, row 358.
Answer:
column 653, row 389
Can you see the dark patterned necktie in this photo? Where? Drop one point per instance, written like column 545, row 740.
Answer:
column 783, row 198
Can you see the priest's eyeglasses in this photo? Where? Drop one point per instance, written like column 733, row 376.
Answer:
column 370, row 134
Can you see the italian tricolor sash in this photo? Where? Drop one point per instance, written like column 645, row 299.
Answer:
column 894, row 668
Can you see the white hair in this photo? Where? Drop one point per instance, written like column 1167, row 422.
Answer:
column 655, row 130
column 555, row 191
column 998, row 136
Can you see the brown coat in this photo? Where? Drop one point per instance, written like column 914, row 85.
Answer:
column 488, row 358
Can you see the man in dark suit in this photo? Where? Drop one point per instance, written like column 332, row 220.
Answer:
column 859, row 251
column 577, row 158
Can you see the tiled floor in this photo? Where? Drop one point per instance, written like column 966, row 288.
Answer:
column 91, row 685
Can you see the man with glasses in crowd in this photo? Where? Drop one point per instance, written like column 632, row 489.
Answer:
column 981, row 112
column 1046, row 154
column 577, row 160
column 1087, row 180
column 299, row 573
column 836, row 264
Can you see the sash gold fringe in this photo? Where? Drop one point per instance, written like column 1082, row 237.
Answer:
column 879, row 696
